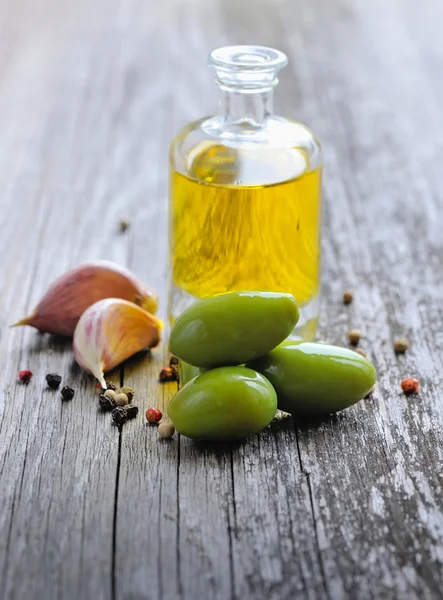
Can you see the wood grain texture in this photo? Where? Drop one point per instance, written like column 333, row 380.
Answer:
column 349, row 507
column 376, row 470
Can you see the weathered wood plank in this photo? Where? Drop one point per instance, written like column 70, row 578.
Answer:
column 346, row 508
column 182, row 493
column 58, row 461
column 275, row 545
column 375, row 470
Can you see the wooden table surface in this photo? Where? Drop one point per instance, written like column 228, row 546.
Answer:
column 91, row 93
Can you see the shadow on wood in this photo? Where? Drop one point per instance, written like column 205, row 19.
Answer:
column 56, row 344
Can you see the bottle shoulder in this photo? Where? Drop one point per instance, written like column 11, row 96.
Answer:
column 278, row 137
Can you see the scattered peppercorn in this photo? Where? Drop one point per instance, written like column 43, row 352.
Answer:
column 106, row 402
column 109, row 394
column 53, row 380
column 153, row 415
column 360, row 351
column 131, row 411
column 168, row 374
column 124, row 224
column 354, row 336
column 173, row 361
column 410, row 385
column 166, row 430
column 111, row 386
column 348, row 297
column 25, row 375
column 119, row 415
column 121, row 399
column 67, row 393
column 128, row 391
column 401, row 345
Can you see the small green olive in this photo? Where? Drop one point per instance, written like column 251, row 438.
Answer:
column 223, row 404
column 230, row 329
column 315, row 379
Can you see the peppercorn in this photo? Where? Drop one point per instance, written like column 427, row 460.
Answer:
column 166, row 430
column 67, row 393
column 410, row 385
column 348, row 297
column 153, row 415
column 354, row 336
column 128, row 391
column 119, row 415
column 360, row 351
column 168, row 374
column 111, row 386
column 124, row 224
column 53, row 380
column 131, row 411
column 401, row 345
column 121, row 399
column 106, row 403
column 25, row 375
column 173, row 361
column 109, row 394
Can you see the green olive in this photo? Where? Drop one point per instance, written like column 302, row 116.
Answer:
column 187, row 372
column 315, row 379
column 224, row 404
column 230, row 329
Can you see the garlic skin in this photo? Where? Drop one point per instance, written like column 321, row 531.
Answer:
column 109, row 332
column 71, row 294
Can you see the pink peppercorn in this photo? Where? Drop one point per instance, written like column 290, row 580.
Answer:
column 25, row 375
column 153, row 415
column 410, row 385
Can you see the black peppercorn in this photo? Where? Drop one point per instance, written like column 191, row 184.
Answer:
column 131, row 411
column 106, row 403
column 119, row 415
column 67, row 393
column 53, row 380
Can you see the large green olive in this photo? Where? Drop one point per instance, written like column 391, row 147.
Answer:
column 230, row 329
column 315, row 379
column 187, row 372
column 223, row 404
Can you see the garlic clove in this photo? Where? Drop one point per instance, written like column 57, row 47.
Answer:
column 71, row 294
column 109, row 332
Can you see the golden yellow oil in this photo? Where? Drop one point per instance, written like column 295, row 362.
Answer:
column 228, row 234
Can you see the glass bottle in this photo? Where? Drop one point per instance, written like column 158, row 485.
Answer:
column 245, row 194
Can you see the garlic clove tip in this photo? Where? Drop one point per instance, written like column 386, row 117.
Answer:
column 25, row 321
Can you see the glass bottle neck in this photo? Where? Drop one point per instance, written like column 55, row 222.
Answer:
column 251, row 108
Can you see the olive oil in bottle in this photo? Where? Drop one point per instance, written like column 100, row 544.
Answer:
column 245, row 194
